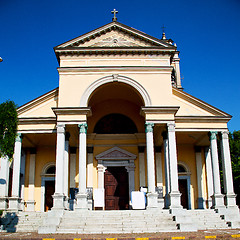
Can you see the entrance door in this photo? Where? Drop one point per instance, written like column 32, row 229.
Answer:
column 183, row 188
column 49, row 191
column 116, row 188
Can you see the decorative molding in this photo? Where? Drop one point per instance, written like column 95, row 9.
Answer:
column 116, row 26
column 36, row 120
column 116, row 154
column 159, row 110
column 72, row 111
column 115, row 41
column 137, row 86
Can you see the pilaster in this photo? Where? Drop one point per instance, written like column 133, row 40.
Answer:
column 141, row 157
column 198, row 156
column 31, row 181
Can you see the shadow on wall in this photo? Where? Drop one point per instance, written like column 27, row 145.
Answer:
column 8, row 222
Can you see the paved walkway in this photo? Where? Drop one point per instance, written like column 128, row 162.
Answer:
column 207, row 234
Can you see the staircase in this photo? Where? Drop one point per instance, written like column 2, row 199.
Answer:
column 208, row 219
column 116, row 222
column 21, row 221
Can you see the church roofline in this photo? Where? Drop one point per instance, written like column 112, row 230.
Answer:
column 70, row 45
column 110, row 25
column 198, row 102
column 25, row 107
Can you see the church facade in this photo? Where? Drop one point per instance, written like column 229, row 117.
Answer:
column 119, row 123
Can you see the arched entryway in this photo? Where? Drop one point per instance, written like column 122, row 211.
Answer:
column 184, row 185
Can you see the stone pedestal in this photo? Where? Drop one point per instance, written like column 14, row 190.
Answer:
column 82, row 203
column 30, row 206
column 175, row 200
column 152, row 200
column 3, row 203
column 58, row 201
column 14, row 204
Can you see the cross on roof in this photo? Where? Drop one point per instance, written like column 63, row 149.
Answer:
column 114, row 14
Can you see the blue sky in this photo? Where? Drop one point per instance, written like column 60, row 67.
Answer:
column 207, row 34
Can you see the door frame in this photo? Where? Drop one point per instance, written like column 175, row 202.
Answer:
column 188, row 190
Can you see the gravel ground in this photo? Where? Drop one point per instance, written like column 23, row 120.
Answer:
column 207, row 234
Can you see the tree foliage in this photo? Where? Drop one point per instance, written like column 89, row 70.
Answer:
column 234, row 142
column 8, row 128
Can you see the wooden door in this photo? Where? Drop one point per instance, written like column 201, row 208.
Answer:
column 183, row 188
column 116, row 188
column 49, row 191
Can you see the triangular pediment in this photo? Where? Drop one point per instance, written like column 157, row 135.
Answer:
column 116, row 153
column 191, row 106
column 115, row 34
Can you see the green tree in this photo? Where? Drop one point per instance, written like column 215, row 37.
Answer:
column 8, row 128
column 234, row 142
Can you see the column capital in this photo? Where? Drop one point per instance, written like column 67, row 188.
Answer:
column 19, row 137
column 171, row 127
column 224, row 134
column 101, row 168
column 83, row 128
column 141, row 149
column 60, row 128
column 213, row 135
column 149, row 127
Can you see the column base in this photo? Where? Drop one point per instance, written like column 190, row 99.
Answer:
column 152, row 200
column 58, row 200
column 218, row 201
column 30, row 206
column 175, row 200
column 82, row 203
column 14, row 204
column 3, row 203
column 230, row 200
column 66, row 203
column 209, row 201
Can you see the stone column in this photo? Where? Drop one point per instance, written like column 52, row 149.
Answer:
column 58, row 197
column 151, row 195
column 14, row 201
column 66, row 170
column 198, row 155
column 31, row 181
column 4, row 180
column 141, row 157
column 101, row 170
column 227, row 170
column 82, row 194
column 167, row 169
column 131, row 178
column 209, row 175
column 174, row 195
column 218, row 198
column 90, row 167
